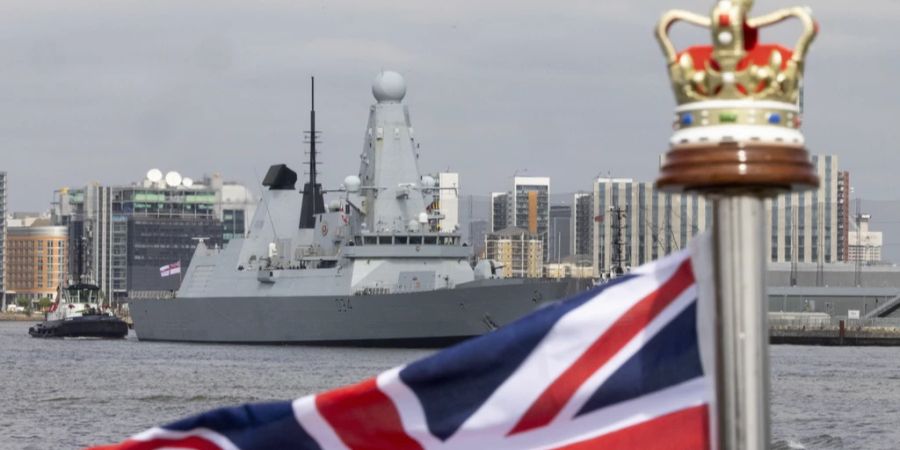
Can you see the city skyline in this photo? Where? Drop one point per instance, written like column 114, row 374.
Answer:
column 220, row 87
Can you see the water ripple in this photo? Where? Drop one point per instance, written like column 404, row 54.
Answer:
column 95, row 391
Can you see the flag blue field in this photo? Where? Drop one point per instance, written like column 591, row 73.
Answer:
column 626, row 365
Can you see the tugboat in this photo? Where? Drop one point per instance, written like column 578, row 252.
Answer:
column 77, row 313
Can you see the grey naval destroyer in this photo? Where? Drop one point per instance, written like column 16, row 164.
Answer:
column 366, row 269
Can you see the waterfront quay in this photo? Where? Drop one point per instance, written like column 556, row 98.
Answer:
column 11, row 317
column 822, row 329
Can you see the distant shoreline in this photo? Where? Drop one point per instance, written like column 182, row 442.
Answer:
column 6, row 317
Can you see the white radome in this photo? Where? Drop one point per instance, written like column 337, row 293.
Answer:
column 154, row 175
column 389, row 87
column 173, row 179
column 351, row 183
column 187, row 182
column 428, row 182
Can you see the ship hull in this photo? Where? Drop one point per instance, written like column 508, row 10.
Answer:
column 420, row 319
column 105, row 327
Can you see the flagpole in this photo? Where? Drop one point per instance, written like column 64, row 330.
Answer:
column 737, row 178
column 738, row 146
column 742, row 329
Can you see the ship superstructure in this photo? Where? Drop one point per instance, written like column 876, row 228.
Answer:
column 368, row 269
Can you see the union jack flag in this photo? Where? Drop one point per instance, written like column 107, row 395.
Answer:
column 625, row 365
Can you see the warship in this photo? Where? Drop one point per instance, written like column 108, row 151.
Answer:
column 366, row 269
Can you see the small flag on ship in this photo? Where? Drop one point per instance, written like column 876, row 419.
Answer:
column 170, row 269
column 625, row 365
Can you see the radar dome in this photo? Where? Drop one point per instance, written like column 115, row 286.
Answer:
column 154, row 175
column 423, row 218
column 187, row 182
column 389, row 87
column 428, row 182
column 173, row 179
column 351, row 183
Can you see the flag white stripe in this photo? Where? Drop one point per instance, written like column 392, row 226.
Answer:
column 637, row 343
column 412, row 416
column 565, row 343
column 205, row 433
column 308, row 415
column 616, row 417
column 596, row 423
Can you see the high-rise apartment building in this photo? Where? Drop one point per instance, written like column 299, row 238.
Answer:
column 234, row 205
column 865, row 245
column 477, row 230
column 121, row 235
column 527, row 207
column 560, row 229
column 583, row 224
column 635, row 223
column 445, row 207
column 804, row 226
column 36, row 259
column 499, row 211
column 519, row 251
column 843, row 219
column 530, row 207
column 2, row 240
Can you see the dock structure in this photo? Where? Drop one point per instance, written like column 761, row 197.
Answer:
column 849, row 333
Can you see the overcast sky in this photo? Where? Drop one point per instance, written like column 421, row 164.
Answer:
column 102, row 91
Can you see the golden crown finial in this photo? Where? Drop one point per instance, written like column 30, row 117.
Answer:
column 713, row 83
column 738, row 115
column 736, row 66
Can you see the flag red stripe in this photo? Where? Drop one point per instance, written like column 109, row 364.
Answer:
column 190, row 442
column 687, row 429
column 552, row 400
column 364, row 417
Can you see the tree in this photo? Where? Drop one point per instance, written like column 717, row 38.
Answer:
column 44, row 303
column 24, row 302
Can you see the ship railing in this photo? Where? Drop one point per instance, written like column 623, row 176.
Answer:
column 151, row 295
column 372, row 291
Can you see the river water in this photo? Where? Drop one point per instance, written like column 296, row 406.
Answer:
column 58, row 394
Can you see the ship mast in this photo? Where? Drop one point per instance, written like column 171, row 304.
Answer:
column 313, row 201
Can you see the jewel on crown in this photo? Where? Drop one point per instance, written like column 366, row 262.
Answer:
column 736, row 89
